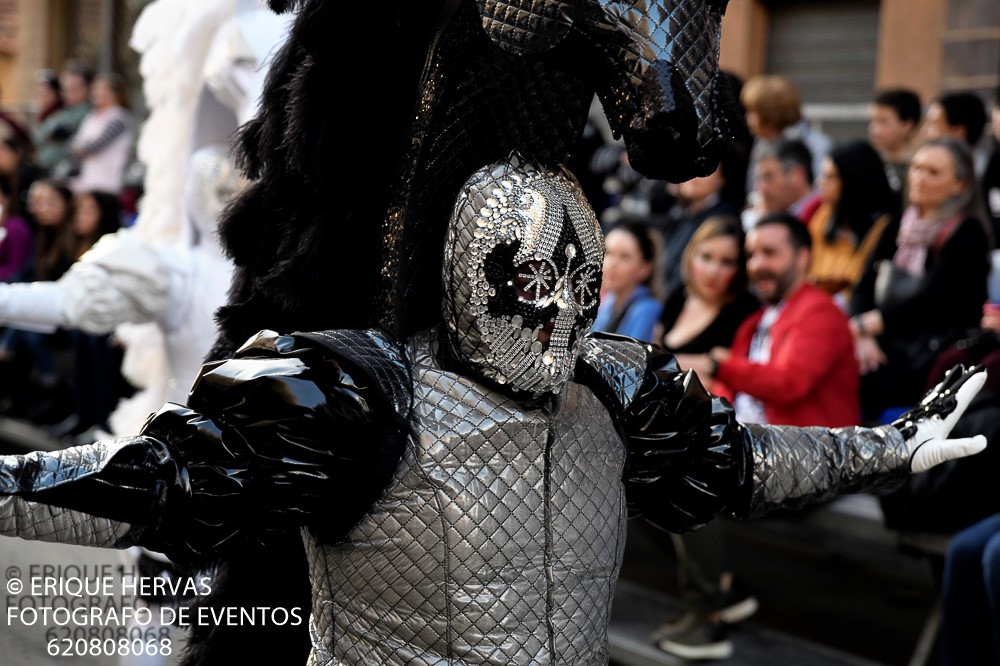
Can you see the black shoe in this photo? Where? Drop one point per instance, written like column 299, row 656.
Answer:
column 736, row 604
column 675, row 626
column 705, row 640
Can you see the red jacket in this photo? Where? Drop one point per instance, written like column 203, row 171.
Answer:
column 812, row 377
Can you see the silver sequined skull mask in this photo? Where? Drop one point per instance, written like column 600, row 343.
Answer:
column 522, row 274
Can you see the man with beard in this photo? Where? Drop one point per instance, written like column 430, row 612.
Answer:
column 792, row 363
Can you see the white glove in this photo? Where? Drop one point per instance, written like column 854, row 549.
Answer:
column 926, row 426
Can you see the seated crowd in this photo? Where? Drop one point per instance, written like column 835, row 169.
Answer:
column 64, row 184
column 834, row 290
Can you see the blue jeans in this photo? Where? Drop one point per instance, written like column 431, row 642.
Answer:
column 970, row 596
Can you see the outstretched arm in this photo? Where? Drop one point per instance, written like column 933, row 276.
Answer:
column 690, row 460
column 286, row 431
column 121, row 279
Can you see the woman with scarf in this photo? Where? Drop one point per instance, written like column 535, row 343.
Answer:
column 937, row 261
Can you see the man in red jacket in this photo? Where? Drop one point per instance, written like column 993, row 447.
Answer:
column 792, row 363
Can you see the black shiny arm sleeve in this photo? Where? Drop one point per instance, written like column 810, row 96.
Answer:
column 104, row 494
column 285, row 434
column 688, row 457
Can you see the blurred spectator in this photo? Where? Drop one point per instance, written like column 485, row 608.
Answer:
column 48, row 96
column 705, row 314
column 630, row 300
column 783, row 183
column 16, row 238
column 990, row 183
column 894, row 129
column 954, row 497
column 962, row 116
column 52, row 136
column 12, row 126
column 17, row 165
column 773, row 111
column 34, row 384
column 970, row 596
column 937, row 261
column 720, row 193
column 714, row 300
column 125, row 280
column 790, row 363
column 858, row 205
column 50, row 203
column 95, row 214
column 632, row 196
column 102, row 147
column 97, row 381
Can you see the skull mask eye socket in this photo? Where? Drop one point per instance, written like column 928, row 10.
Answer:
column 535, row 280
column 586, row 287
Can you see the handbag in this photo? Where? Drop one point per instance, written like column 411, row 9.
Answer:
column 893, row 284
column 919, row 348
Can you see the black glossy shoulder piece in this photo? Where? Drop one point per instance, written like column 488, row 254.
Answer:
column 375, row 353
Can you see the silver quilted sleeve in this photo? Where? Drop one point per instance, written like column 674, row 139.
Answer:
column 64, row 496
column 793, row 467
column 41, row 522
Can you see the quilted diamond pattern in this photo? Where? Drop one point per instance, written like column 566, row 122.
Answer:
column 690, row 26
column 526, row 26
column 384, row 360
column 40, row 522
column 621, row 363
column 793, row 467
column 498, row 541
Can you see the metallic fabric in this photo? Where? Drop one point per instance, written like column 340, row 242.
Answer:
column 688, row 459
column 498, row 541
column 68, row 496
column 329, row 443
column 469, row 527
column 523, row 255
column 520, row 75
column 619, row 361
column 793, row 467
column 39, row 521
column 673, row 107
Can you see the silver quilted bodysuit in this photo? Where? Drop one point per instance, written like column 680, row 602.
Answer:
column 498, row 541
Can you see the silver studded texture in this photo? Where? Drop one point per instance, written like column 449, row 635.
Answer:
column 515, row 200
